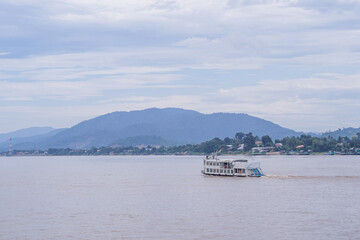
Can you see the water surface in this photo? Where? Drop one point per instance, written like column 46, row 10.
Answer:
column 166, row 197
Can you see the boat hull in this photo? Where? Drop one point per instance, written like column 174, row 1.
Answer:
column 222, row 175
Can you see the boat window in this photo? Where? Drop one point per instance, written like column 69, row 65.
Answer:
column 207, row 170
column 232, row 171
column 221, row 171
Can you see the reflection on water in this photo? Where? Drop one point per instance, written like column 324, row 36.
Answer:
column 166, row 197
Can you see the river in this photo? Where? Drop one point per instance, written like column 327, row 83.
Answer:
column 166, row 197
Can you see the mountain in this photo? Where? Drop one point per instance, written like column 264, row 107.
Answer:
column 345, row 132
column 28, row 139
column 143, row 140
column 167, row 126
column 26, row 132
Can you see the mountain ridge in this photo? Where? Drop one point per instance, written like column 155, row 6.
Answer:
column 25, row 132
column 167, row 126
column 171, row 125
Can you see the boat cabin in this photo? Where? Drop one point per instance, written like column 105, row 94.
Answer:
column 230, row 167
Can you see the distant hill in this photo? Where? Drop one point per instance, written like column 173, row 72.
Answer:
column 345, row 132
column 167, row 126
column 142, row 140
column 28, row 141
column 26, row 132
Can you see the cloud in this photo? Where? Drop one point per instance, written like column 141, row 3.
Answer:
column 77, row 90
column 263, row 57
column 302, row 104
column 295, row 102
column 215, row 29
column 197, row 42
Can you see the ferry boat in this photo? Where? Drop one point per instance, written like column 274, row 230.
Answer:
column 231, row 167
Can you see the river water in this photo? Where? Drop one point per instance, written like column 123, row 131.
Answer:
column 166, row 197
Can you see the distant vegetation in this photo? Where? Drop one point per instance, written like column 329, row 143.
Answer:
column 161, row 127
column 168, row 127
column 344, row 132
column 241, row 144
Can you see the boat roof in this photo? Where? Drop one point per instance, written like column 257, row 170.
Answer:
column 227, row 160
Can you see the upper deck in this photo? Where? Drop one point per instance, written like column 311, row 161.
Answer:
column 226, row 167
column 230, row 167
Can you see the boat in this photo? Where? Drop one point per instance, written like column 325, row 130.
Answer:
column 231, row 167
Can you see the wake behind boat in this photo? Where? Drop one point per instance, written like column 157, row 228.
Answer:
column 231, row 167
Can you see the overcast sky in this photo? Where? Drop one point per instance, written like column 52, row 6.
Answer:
column 296, row 63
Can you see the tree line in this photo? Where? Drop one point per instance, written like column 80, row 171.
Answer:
column 240, row 143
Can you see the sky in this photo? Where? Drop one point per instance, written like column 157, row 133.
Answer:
column 295, row 63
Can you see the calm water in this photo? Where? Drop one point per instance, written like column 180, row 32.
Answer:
column 166, row 197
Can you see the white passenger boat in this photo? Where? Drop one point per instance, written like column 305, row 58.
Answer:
column 231, row 167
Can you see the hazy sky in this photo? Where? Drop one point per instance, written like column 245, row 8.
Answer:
column 296, row 63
